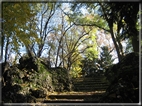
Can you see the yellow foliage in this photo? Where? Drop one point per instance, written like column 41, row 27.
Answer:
column 76, row 69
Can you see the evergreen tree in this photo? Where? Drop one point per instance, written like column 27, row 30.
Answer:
column 105, row 57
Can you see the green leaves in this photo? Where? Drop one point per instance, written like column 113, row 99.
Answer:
column 17, row 18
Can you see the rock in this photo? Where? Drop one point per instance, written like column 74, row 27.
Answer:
column 10, row 92
column 11, row 75
column 28, row 63
column 46, row 62
column 124, row 80
column 38, row 93
column 4, row 66
column 32, row 79
column 30, row 99
column 19, row 98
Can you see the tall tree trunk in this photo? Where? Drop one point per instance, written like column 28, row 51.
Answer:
column 57, row 55
column 63, row 56
column 110, row 23
column 40, row 48
column 135, row 32
column 5, row 64
column 120, row 47
column 2, row 46
column 135, row 43
column 115, row 43
column 69, row 65
column 49, row 54
column 29, row 51
column 6, row 50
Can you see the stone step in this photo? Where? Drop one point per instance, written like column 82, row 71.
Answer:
column 88, row 89
column 75, row 97
column 64, row 101
column 100, row 77
column 72, row 101
column 78, row 93
column 91, row 88
column 85, row 81
column 91, row 83
column 79, row 80
column 72, row 97
column 59, row 101
column 88, row 79
column 86, row 100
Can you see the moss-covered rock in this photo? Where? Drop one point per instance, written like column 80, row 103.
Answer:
column 32, row 79
column 28, row 62
column 29, row 74
column 40, row 93
column 124, row 81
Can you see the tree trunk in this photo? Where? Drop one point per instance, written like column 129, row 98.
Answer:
column 110, row 23
column 6, row 50
column 2, row 46
column 40, row 50
column 30, row 53
column 63, row 55
column 115, row 43
column 120, row 47
column 135, row 43
column 57, row 55
column 49, row 54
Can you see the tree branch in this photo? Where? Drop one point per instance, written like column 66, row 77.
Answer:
column 81, row 24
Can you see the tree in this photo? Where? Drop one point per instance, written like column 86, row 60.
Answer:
column 105, row 57
column 69, row 41
column 45, row 25
column 17, row 29
column 64, row 27
column 125, row 16
column 92, row 52
column 111, row 18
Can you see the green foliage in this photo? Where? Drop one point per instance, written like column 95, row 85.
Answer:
column 91, row 51
column 18, row 29
column 76, row 69
column 106, row 57
column 129, row 47
column 90, row 54
column 91, row 18
column 122, row 18
column 41, row 67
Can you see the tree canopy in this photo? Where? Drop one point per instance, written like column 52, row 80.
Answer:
column 18, row 23
column 66, row 33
